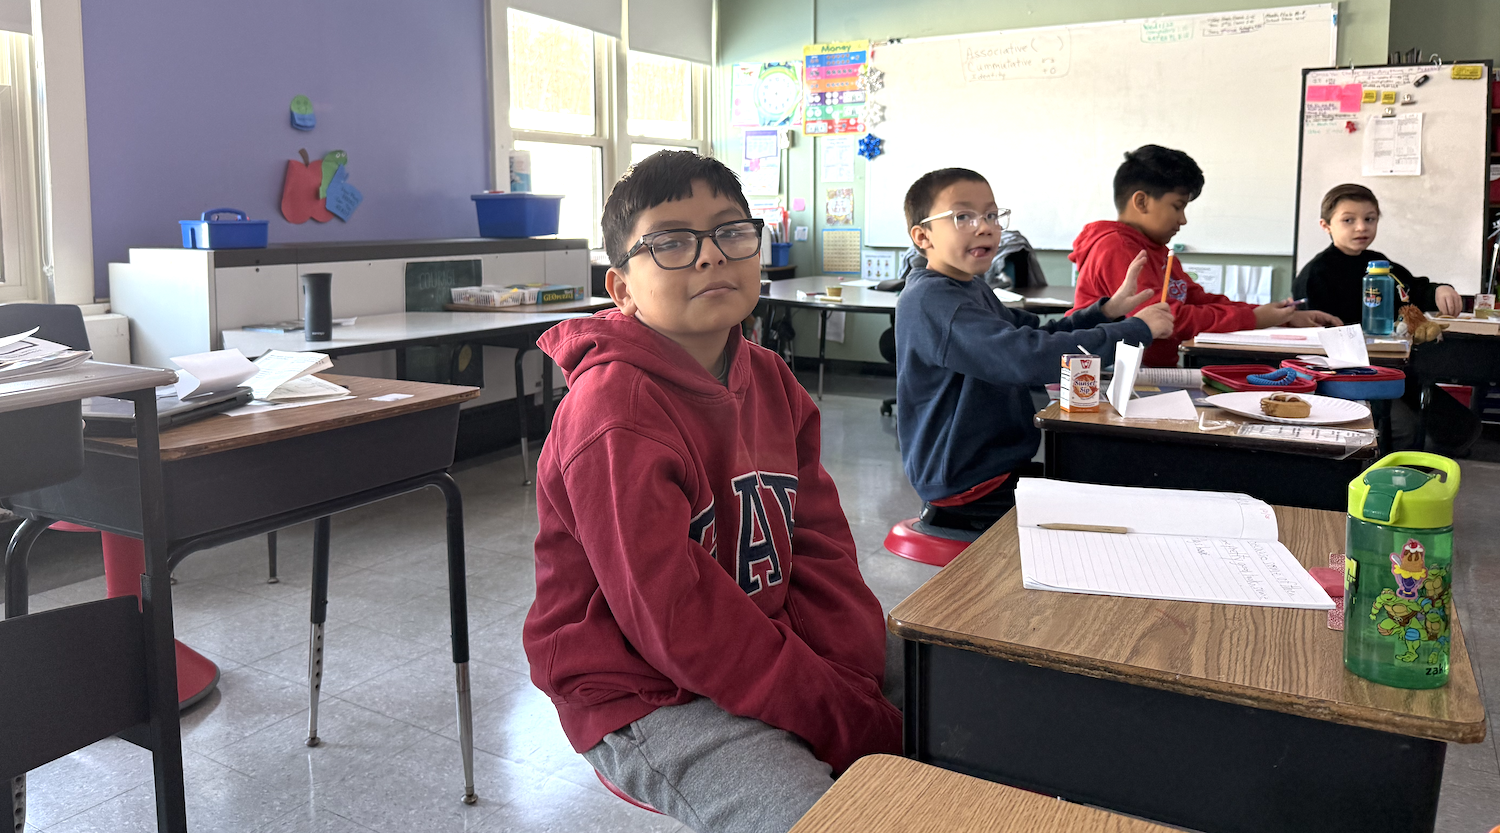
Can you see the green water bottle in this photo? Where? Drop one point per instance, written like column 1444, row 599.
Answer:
column 1398, row 570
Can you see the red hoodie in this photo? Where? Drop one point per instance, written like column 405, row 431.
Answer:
column 1103, row 252
column 691, row 545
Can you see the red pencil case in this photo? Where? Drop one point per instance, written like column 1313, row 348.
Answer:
column 1236, row 377
column 1382, row 383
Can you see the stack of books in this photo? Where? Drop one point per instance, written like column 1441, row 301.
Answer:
column 23, row 355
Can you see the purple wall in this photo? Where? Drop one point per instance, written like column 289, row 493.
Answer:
column 188, row 110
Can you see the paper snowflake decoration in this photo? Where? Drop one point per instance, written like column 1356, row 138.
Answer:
column 869, row 146
column 874, row 114
column 871, row 79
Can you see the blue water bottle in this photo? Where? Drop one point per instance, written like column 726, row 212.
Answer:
column 1378, row 318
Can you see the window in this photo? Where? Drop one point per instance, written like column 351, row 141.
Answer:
column 586, row 109
column 20, row 213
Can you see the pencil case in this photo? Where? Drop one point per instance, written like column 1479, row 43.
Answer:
column 1359, row 383
column 1236, row 377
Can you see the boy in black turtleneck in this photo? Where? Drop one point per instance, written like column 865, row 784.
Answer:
column 1333, row 281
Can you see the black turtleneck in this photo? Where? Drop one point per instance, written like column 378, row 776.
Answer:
column 1334, row 283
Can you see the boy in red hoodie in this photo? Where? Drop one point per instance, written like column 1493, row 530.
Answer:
column 700, row 619
column 1152, row 189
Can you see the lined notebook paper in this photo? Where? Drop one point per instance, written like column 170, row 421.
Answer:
column 1182, row 546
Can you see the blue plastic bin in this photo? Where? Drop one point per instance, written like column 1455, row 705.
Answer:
column 781, row 254
column 208, row 233
column 517, row 215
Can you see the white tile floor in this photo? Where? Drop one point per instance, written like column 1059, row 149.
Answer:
column 389, row 759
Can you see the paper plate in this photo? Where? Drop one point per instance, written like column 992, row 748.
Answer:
column 1326, row 410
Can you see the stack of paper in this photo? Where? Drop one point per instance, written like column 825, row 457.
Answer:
column 1269, row 337
column 277, row 377
column 1179, row 545
column 23, row 355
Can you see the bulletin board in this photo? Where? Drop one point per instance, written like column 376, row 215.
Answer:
column 1047, row 113
column 1433, row 222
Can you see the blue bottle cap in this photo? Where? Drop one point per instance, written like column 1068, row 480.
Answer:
column 1378, row 264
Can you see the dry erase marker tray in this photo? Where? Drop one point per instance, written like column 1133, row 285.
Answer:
column 1236, row 377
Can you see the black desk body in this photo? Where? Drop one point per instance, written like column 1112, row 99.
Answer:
column 1187, row 760
column 1121, row 456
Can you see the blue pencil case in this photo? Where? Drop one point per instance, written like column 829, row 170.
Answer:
column 1358, row 383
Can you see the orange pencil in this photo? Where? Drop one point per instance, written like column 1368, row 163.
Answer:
column 1166, row 280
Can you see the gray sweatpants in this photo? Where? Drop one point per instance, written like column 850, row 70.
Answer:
column 720, row 773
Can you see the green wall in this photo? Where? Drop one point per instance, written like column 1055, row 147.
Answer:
column 1456, row 30
column 776, row 30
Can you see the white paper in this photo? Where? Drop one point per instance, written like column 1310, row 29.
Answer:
column 392, row 397
column 1122, row 385
column 1393, row 146
column 1175, row 405
column 1210, row 276
column 277, row 367
column 1292, row 337
column 1351, row 438
column 838, row 158
column 1345, row 347
column 835, row 330
column 305, row 387
column 1008, row 297
column 1182, row 545
column 213, row 372
column 258, row 407
column 9, row 340
column 861, row 283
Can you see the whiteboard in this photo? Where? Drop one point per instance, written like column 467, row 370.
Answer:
column 1432, row 224
column 1047, row 114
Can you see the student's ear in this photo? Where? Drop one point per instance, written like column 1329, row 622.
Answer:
column 1323, row 224
column 921, row 237
column 619, row 290
column 1140, row 201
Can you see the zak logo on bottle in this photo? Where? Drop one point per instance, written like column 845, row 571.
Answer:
column 758, row 560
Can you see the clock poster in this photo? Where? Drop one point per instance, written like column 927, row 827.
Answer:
column 766, row 95
column 835, row 102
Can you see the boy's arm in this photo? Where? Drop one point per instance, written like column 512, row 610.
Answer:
column 832, row 608
column 981, row 344
column 1421, row 291
column 1204, row 312
column 689, row 618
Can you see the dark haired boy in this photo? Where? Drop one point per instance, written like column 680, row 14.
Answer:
column 1333, row 281
column 965, row 364
column 1152, row 189
column 700, row 619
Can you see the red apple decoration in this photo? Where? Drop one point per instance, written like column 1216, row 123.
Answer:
column 299, row 194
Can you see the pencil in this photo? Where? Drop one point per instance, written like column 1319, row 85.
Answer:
column 1117, row 530
column 1166, row 279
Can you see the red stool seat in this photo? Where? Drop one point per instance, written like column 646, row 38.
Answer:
column 907, row 541
column 124, row 562
column 618, row 793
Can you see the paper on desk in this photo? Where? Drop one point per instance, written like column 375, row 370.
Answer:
column 1008, row 297
column 1183, row 545
column 1269, row 337
column 861, row 283
column 259, row 407
column 305, row 387
column 7, row 340
column 1175, row 405
column 213, row 372
column 1122, row 384
column 1345, row 347
column 277, row 367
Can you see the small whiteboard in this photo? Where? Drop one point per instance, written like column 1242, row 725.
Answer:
column 1431, row 223
column 1046, row 114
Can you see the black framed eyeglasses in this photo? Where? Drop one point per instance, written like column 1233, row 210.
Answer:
column 678, row 248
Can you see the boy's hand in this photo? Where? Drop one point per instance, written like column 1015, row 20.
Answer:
column 1126, row 298
column 1275, row 314
column 1449, row 302
column 1159, row 318
column 1314, row 318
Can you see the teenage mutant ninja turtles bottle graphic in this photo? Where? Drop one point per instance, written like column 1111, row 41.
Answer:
column 1398, row 570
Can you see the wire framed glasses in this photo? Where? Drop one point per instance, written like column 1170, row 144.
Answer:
column 679, row 248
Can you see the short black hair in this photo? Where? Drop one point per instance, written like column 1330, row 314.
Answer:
column 1348, row 192
column 920, row 195
column 1158, row 171
column 662, row 177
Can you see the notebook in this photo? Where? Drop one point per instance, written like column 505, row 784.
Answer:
column 107, row 417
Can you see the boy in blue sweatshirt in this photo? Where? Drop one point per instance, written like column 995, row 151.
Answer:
column 965, row 364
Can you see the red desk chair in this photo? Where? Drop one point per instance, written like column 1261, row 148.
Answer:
column 926, row 544
column 620, row 794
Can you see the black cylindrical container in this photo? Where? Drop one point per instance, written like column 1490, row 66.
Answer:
column 317, row 306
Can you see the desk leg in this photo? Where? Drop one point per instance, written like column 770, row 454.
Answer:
column 521, row 418
column 1381, row 410
column 17, row 589
column 822, row 347
column 165, row 730
column 318, row 617
column 271, row 577
column 458, row 612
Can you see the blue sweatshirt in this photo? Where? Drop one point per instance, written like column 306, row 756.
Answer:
column 964, row 368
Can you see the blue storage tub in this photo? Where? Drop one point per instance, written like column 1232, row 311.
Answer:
column 781, row 254
column 239, row 233
column 517, row 215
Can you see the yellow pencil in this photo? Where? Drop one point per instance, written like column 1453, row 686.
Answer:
column 1166, row 280
column 1117, row 530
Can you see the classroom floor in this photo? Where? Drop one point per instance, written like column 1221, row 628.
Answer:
column 389, row 759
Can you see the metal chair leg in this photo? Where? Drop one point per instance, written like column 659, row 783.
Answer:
column 271, row 578
column 465, row 730
column 319, row 617
column 458, row 613
column 15, row 799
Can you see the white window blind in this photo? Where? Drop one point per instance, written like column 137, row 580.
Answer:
column 674, row 28
column 602, row 16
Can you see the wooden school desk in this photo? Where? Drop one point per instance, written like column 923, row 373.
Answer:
column 1207, row 355
column 233, row 477
column 400, row 330
column 887, row 794
column 1221, row 718
column 1209, row 454
column 85, row 672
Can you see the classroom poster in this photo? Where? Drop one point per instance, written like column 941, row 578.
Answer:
column 840, row 207
column 760, row 172
column 838, row 158
column 765, row 95
column 835, row 103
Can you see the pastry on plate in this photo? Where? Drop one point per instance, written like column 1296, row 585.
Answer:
column 1288, row 405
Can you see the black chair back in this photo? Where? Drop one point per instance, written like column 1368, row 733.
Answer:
column 62, row 323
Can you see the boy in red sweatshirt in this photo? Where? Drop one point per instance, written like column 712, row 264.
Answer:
column 1152, row 189
column 700, row 619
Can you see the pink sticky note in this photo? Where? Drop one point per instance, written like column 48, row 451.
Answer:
column 799, row 204
column 1321, row 92
column 1350, row 98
